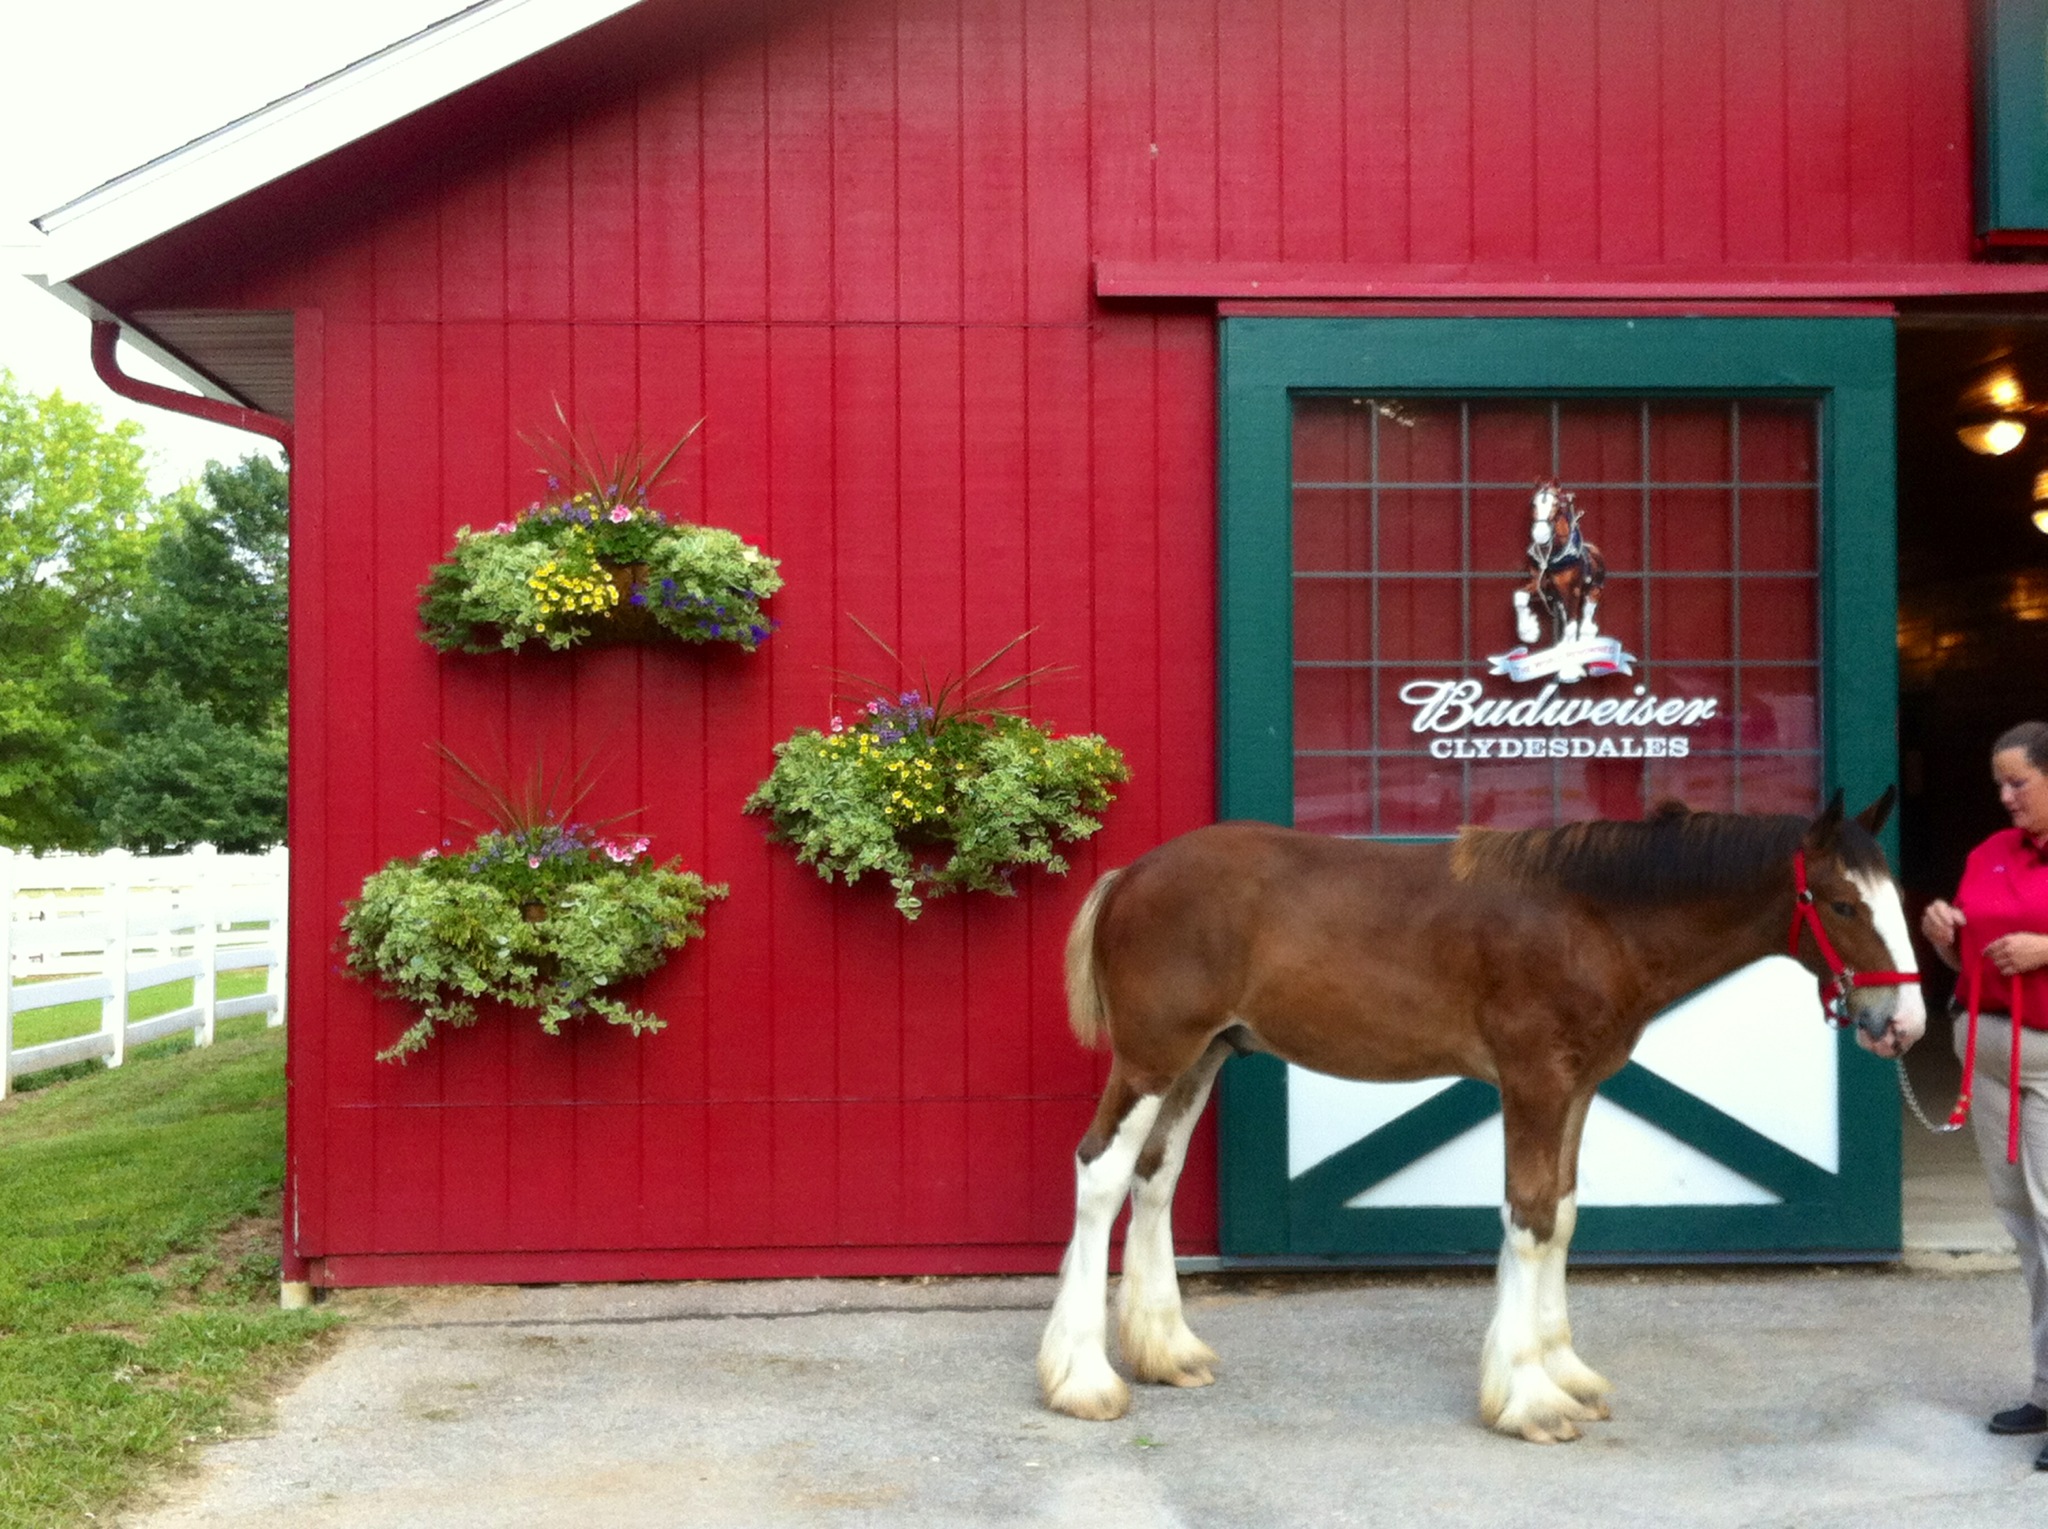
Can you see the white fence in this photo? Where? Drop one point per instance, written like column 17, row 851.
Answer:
column 74, row 928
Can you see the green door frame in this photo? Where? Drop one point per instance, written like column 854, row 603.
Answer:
column 1847, row 365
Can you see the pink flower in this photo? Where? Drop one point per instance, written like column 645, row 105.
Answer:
column 432, row 854
column 619, row 515
column 534, row 861
column 504, row 528
column 838, row 726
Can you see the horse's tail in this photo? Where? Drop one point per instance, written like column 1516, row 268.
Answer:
column 1084, row 997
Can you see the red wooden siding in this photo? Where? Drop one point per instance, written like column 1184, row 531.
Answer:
column 859, row 246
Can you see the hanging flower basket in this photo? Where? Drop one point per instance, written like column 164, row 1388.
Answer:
column 594, row 562
column 941, row 796
column 548, row 918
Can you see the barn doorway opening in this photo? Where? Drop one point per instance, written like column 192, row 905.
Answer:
column 1973, row 660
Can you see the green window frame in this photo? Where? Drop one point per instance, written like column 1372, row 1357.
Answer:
column 1847, row 365
column 2012, row 117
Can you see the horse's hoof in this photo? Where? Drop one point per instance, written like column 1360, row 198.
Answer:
column 1076, row 1378
column 1161, row 1350
column 1098, row 1404
column 1532, row 1406
column 1579, row 1381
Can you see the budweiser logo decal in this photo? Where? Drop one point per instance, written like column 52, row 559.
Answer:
column 1562, row 601
column 1566, row 573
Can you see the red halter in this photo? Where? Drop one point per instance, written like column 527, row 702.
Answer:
column 1840, row 980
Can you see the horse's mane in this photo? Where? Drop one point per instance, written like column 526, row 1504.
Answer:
column 1673, row 856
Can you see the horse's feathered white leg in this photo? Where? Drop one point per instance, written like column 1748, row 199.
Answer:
column 1516, row 1392
column 1073, row 1361
column 1553, row 1324
column 1151, row 1328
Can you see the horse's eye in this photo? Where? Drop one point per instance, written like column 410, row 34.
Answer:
column 1847, row 910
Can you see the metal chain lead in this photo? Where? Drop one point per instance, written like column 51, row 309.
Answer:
column 1913, row 1104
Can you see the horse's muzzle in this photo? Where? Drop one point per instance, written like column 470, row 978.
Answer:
column 1897, row 1015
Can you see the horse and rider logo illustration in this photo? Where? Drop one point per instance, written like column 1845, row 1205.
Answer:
column 1566, row 573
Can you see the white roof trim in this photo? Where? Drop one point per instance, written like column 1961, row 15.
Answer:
column 302, row 127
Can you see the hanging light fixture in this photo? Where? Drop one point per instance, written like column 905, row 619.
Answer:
column 1985, row 417
column 1991, row 437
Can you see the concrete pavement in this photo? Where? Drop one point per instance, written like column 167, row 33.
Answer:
column 1755, row 1397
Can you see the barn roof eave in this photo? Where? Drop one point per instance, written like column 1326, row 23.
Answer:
column 293, row 131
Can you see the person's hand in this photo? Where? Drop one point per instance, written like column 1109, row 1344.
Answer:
column 1941, row 923
column 2016, row 953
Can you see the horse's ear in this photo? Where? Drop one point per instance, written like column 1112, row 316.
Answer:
column 1872, row 817
column 1670, row 810
column 1821, row 831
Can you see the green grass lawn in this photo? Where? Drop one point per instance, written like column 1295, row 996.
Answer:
column 138, row 1268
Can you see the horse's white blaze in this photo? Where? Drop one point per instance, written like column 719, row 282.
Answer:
column 1073, row 1364
column 1516, row 1392
column 1881, row 895
column 1151, row 1329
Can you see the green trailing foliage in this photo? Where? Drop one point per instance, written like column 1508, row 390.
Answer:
column 546, row 918
column 595, row 561
column 940, row 796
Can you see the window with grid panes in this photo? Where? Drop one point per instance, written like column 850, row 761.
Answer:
column 1411, row 534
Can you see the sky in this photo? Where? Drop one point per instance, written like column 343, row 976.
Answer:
column 97, row 87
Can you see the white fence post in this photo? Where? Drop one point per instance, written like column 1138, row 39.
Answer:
column 114, row 1007
column 206, row 907
column 6, row 971
column 280, row 930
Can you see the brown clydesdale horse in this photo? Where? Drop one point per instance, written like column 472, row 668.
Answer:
column 1398, row 961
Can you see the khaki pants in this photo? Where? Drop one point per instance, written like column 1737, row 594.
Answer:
column 2019, row 1192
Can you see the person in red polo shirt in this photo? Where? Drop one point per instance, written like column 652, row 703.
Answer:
column 2000, row 917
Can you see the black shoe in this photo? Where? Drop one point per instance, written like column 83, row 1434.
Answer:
column 2025, row 1418
column 2041, row 1460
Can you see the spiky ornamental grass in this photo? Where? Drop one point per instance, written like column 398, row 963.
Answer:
column 941, row 795
column 595, row 560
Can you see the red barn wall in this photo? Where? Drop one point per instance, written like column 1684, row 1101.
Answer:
column 858, row 245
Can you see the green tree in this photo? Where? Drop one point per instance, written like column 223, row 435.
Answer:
column 197, row 663
column 73, row 536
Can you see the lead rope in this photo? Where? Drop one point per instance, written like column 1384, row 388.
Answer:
column 1961, row 1112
